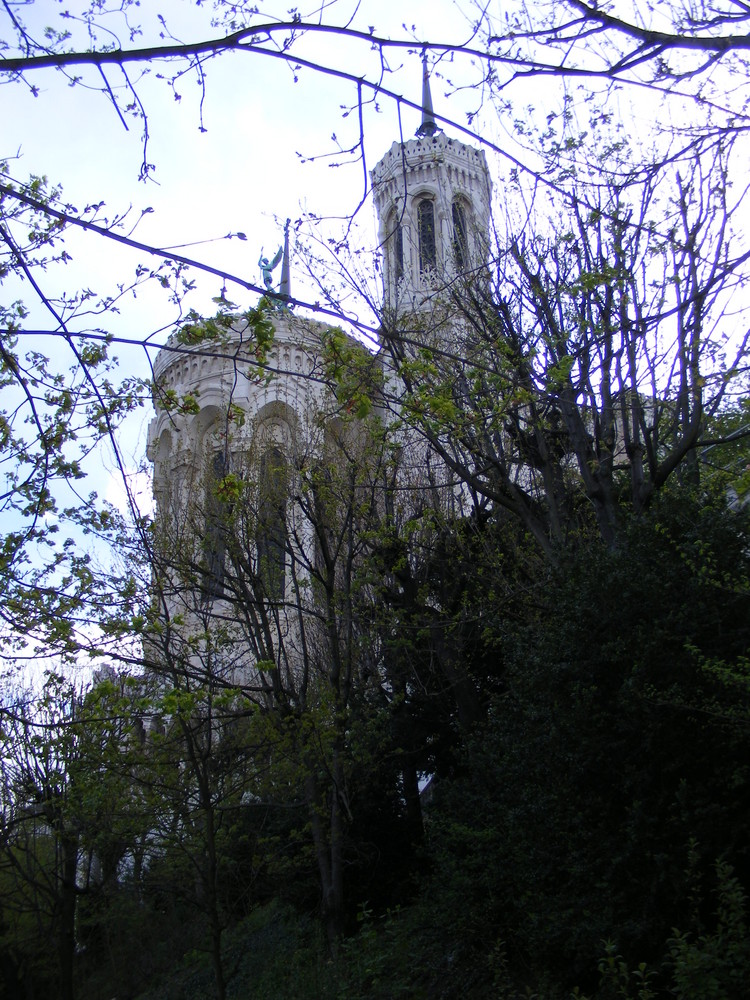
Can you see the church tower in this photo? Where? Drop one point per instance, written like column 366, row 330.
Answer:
column 432, row 198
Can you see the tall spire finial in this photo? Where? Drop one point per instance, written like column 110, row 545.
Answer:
column 429, row 126
column 285, row 284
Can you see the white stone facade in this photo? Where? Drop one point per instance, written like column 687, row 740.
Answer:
column 218, row 374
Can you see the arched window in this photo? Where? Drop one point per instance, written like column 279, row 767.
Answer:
column 396, row 245
column 214, row 541
column 272, row 534
column 426, row 230
column 460, row 236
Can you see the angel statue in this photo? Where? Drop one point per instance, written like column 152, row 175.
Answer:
column 267, row 268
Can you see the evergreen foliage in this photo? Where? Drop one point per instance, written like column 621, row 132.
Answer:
column 586, row 833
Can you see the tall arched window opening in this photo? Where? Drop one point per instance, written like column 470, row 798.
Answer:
column 214, row 541
column 272, row 535
column 426, row 229
column 396, row 245
column 460, row 237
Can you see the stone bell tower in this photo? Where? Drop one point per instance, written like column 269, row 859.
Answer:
column 432, row 198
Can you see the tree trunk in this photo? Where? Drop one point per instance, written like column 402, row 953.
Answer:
column 67, row 940
column 327, row 841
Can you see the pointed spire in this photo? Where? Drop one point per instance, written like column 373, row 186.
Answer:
column 429, row 126
column 285, row 284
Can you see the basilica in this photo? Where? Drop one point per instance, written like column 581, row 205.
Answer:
column 253, row 443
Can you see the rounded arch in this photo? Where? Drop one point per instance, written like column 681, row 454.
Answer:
column 209, row 422
column 163, row 448
column 424, row 190
column 276, row 424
